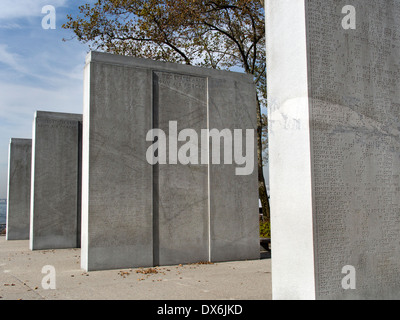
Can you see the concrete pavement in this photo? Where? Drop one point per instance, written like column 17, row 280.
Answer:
column 21, row 278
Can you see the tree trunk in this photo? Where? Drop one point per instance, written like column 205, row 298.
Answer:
column 262, row 189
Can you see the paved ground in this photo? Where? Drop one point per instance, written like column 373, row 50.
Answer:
column 21, row 278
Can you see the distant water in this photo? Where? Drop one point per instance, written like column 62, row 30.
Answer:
column 3, row 212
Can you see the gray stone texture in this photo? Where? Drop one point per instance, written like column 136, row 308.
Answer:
column 19, row 186
column 135, row 214
column 180, row 191
column 56, row 181
column 334, row 148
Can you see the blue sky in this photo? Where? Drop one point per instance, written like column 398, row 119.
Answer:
column 38, row 71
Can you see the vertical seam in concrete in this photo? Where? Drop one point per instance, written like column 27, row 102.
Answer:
column 155, row 184
column 209, row 171
column 33, row 153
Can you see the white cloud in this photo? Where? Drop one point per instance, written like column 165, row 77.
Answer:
column 10, row 59
column 19, row 102
column 10, row 26
column 40, row 65
column 13, row 9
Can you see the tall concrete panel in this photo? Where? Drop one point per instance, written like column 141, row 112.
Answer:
column 117, row 222
column 56, row 181
column 333, row 81
column 19, row 189
column 233, row 195
column 136, row 213
column 181, row 190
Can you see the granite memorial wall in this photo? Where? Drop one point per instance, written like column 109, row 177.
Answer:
column 334, row 139
column 136, row 213
column 18, row 191
column 56, row 181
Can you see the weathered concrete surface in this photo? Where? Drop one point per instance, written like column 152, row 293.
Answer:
column 180, row 191
column 334, row 148
column 19, row 189
column 234, row 229
column 117, row 221
column 56, row 185
column 166, row 213
column 21, row 278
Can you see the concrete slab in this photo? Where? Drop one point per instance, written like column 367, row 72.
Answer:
column 334, row 151
column 56, row 182
column 138, row 214
column 19, row 189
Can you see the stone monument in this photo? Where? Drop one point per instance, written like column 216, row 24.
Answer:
column 334, row 143
column 136, row 213
column 56, row 181
column 19, row 186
